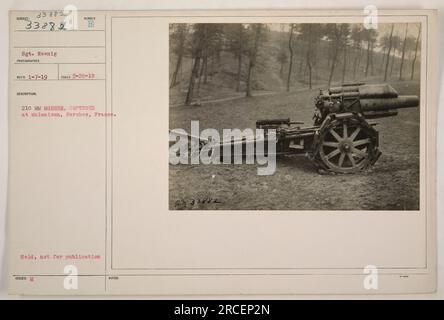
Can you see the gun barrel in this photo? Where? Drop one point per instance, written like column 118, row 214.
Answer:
column 368, row 91
column 389, row 103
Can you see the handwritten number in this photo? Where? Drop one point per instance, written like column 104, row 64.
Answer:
column 42, row 25
column 183, row 203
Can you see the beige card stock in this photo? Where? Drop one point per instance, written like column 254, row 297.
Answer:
column 97, row 207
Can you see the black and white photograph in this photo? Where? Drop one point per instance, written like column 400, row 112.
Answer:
column 332, row 108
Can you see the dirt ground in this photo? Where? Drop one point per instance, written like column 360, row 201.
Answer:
column 391, row 184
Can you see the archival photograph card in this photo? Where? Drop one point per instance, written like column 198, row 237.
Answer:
column 222, row 152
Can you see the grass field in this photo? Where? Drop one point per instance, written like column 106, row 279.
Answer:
column 392, row 184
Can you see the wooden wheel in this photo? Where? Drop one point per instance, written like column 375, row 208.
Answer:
column 347, row 146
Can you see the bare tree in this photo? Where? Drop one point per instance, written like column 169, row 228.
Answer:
column 178, row 37
column 240, row 35
column 384, row 42
column 356, row 37
column 193, row 76
column 370, row 35
column 403, row 50
column 202, row 68
column 337, row 34
column 396, row 42
column 344, row 63
column 345, row 43
column 309, row 35
column 416, row 52
column 205, row 40
column 282, row 56
column 372, row 50
column 257, row 34
column 236, row 37
column 290, row 48
column 388, row 52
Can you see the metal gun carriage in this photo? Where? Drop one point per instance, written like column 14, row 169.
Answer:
column 341, row 139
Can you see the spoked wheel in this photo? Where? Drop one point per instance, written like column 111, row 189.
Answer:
column 348, row 146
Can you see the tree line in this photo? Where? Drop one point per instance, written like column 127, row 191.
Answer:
column 302, row 48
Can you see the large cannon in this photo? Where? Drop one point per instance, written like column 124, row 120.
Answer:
column 372, row 101
column 341, row 139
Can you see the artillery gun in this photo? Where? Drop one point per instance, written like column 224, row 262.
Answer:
column 341, row 139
